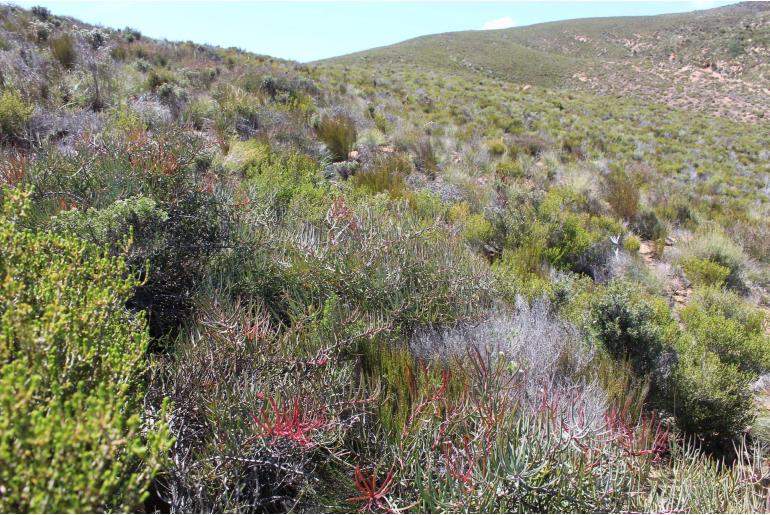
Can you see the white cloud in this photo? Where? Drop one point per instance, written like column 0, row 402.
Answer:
column 703, row 4
column 500, row 23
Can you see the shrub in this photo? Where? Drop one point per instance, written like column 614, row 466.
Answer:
column 111, row 179
column 131, row 35
column 632, row 244
column 508, row 169
column 721, row 323
column 647, row 225
column 40, row 12
column 63, row 49
column 477, row 230
column 158, row 77
column 633, row 325
column 713, row 398
column 72, row 361
column 240, row 445
column 622, row 193
column 14, row 114
column 199, row 112
column 712, row 244
column 496, row 147
column 703, row 272
column 338, row 132
column 386, row 174
column 528, row 144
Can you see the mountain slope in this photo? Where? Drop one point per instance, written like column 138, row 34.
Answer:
column 715, row 61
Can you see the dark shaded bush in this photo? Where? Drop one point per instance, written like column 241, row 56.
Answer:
column 176, row 226
column 63, row 49
column 40, row 12
column 647, row 225
column 633, row 325
column 622, row 193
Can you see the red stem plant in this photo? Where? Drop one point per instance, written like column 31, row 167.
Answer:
column 289, row 421
column 371, row 492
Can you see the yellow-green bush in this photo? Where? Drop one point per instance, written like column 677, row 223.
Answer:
column 632, row 244
column 14, row 113
column 704, row 272
column 72, row 359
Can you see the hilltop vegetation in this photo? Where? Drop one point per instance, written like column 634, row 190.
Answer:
column 713, row 61
column 408, row 282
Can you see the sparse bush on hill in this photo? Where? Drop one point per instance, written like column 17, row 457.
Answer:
column 622, row 194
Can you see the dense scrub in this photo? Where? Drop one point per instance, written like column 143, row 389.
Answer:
column 72, row 360
column 234, row 283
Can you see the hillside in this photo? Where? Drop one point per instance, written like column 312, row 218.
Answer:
column 235, row 283
column 714, row 61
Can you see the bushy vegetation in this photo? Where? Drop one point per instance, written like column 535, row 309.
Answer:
column 74, row 435
column 233, row 283
column 14, row 114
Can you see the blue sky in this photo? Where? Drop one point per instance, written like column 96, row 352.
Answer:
column 306, row 31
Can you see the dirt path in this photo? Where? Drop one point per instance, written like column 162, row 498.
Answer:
column 677, row 293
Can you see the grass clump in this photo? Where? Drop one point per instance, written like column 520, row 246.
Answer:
column 63, row 49
column 338, row 132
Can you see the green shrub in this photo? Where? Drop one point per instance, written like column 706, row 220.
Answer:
column 722, row 323
column 14, row 114
column 633, row 325
column 496, row 147
column 158, row 77
column 703, row 272
column 508, row 169
column 284, row 179
column 712, row 244
column 63, row 49
column 632, row 244
column 713, row 399
column 72, row 361
column 339, row 134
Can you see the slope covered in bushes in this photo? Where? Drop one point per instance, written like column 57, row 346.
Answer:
column 236, row 283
